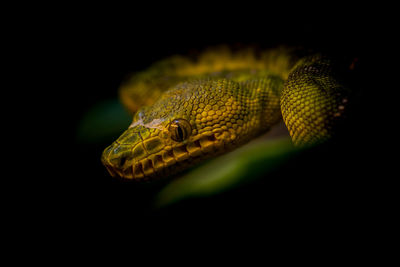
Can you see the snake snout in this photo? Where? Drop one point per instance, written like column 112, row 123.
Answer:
column 136, row 154
column 118, row 159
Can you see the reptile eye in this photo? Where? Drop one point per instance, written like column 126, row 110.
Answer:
column 180, row 130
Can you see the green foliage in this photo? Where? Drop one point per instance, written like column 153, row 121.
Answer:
column 103, row 122
column 228, row 171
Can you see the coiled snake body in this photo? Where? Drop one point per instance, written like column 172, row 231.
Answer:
column 189, row 109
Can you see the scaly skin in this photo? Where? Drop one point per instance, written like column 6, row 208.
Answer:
column 221, row 100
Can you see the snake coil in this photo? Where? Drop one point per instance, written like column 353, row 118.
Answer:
column 189, row 109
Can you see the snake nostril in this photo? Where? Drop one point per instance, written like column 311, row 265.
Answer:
column 122, row 161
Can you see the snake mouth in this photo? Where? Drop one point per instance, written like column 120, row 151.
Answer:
column 170, row 160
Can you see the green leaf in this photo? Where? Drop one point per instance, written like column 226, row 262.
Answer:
column 103, row 122
column 228, row 171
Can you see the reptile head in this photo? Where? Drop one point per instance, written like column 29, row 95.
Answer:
column 184, row 126
column 189, row 123
column 147, row 150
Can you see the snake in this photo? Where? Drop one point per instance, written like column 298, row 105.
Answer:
column 187, row 109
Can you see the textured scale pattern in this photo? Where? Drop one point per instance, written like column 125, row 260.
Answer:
column 312, row 102
column 196, row 109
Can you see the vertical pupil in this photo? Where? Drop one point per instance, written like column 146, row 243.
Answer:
column 180, row 132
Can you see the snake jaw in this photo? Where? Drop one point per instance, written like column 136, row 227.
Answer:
column 158, row 155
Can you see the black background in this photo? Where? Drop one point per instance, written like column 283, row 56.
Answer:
column 91, row 51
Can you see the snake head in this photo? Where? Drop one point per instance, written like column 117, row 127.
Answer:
column 165, row 138
column 191, row 122
column 143, row 152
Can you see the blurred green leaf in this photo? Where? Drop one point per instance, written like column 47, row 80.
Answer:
column 228, row 171
column 103, row 122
